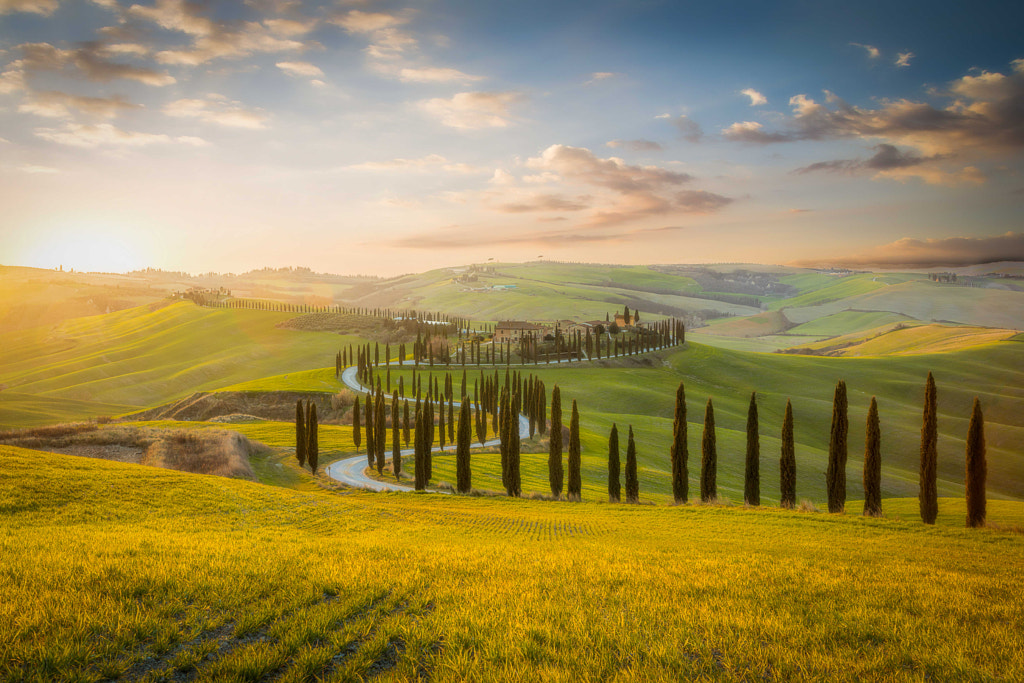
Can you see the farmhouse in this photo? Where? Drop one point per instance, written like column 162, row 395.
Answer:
column 632, row 321
column 515, row 330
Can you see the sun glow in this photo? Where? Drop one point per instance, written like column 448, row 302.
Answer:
column 85, row 246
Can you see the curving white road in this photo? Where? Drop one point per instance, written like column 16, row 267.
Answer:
column 351, row 471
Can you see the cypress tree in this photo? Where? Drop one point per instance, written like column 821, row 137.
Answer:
column 451, row 419
column 463, row 477
column 542, row 410
column 555, row 444
column 504, row 436
column 575, row 484
column 928, row 495
column 440, row 426
column 300, row 434
column 614, row 491
column 976, row 468
column 679, row 452
column 752, row 470
column 787, row 462
column 418, row 458
column 357, row 437
column 515, row 485
column 371, row 448
column 835, row 476
column 313, row 439
column 405, row 423
column 428, row 441
column 873, row 464
column 381, row 437
column 632, row 482
column 396, row 441
column 708, row 457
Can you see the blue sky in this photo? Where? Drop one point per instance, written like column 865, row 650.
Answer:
column 384, row 137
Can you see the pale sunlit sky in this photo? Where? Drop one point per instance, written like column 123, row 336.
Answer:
column 387, row 137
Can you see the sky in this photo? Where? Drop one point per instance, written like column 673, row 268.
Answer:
column 389, row 137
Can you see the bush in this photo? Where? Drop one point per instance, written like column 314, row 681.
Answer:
column 343, row 400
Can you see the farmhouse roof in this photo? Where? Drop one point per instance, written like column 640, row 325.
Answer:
column 515, row 325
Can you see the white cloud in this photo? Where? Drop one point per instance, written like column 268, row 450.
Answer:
column 756, row 98
column 434, row 75
column 355, row 21
column 635, row 145
column 873, row 52
column 473, row 110
column 903, row 58
column 217, row 109
column 303, row 69
column 34, row 170
column 599, row 76
column 429, row 162
column 43, row 7
column 103, row 134
column 55, row 104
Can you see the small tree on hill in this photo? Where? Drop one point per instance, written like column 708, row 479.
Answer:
column 575, row 484
column 680, row 453
column 752, row 469
column 463, row 476
column 835, row 476
column 313, row 439
column 555, row 444
column 708, row 457
column 614, row 492
column 632, row 482
column 928, row 494
column 357, row 436
column 787, row 461
column 300, row 433
column 976, row 468
column 873, row 464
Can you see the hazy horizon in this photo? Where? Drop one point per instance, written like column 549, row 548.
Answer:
column 398, row 137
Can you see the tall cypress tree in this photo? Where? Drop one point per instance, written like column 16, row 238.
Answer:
column 503, row 435
column 976, row 468
column 405, row 423
column 873, row 464
column 428, row 440
column 614, row 488
column 928, row 495
column 312, row 439
column 708, row 457
column 515, row 485
column 835, row 476
column 752, row 469
column 632, row 482
column 371, row 448
column 357, row 436
column 555, row 444
column 463, row 477
column 575, row 484
column 300, row 433
column 440, row 426
column 451, row 419
column 787, row 462
column 380, row 439
column 680, row 451
column 418, row 449
column 396, row 440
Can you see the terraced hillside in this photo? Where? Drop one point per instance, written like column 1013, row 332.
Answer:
column 119, row 572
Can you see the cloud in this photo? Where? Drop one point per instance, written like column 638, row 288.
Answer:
column 599, row 76
column 473, row 110
column 55, row 104
column 756, row 98
column 953, row 251
column 301, row 69
column 434, row 75
column 903, row 58
column 689, row 129
column 635, row 145
column 873, row 52
column 217, row 109
column 456, row 238
column 90, row 60
column 985, row 115
column 545, row 202
column 355, row 21
column 215, row 39
column 429, row 162
column 893, row 163
column 43, row 7
column 103, row 134
column 36, row 170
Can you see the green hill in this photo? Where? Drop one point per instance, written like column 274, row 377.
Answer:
column 134, row 573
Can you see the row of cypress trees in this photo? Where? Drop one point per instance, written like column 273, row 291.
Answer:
column 307, row 435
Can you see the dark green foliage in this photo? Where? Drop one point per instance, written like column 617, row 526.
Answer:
column 787, row 462
column 463, row 477
column 928, row 494
column 976, row 468
column 312, row 439
column 371, row 449
column 873, row 464
column 614, row 491
column 515, row 485
column 680, row 452
column 708, row 457
column 405, row 423
column 380, row 440
column 451, row 420
column 428, row 449
column 396, row 440
column 419, row 459
column 503, row 435
column 300, row 434
column 575, row 484
column 357, row 436
column 752, row 468
column 632, row 482
column 555, row 444
column 835, row 476
column 440, row 426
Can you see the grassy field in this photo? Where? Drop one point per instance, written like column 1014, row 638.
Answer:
column 904, row 338
column 147, row 575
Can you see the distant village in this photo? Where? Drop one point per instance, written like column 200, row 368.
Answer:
column 517, row 330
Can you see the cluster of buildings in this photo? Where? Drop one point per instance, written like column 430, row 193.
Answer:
column 515, row 330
